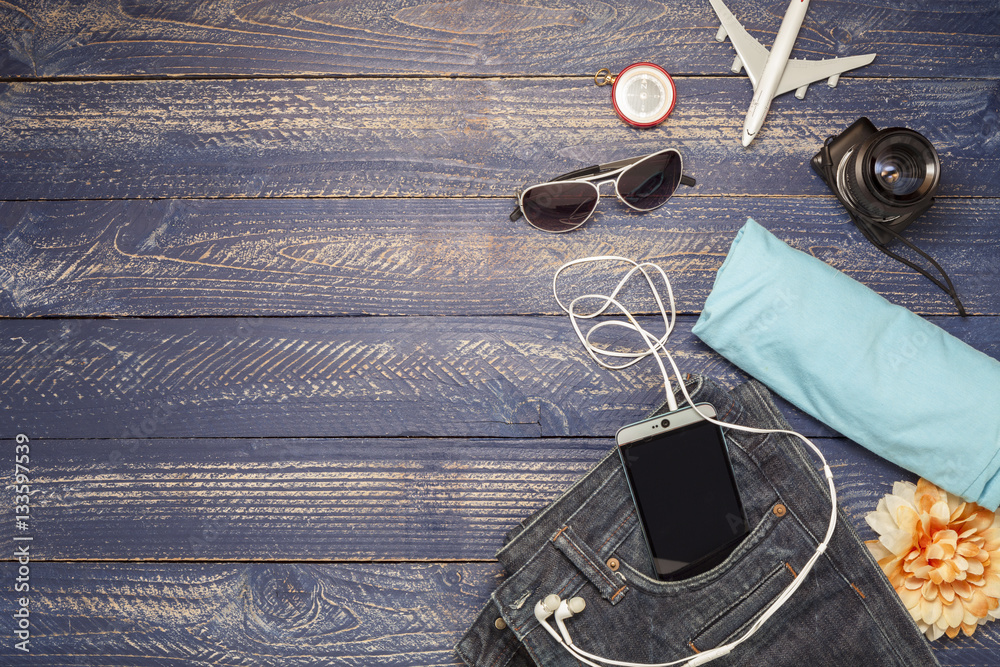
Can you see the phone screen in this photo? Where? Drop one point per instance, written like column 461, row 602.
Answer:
column 685, row 494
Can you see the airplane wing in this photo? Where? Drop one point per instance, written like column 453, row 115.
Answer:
column 800, row 73
column 751, row 52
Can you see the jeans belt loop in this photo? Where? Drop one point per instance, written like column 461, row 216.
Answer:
column 611, row 586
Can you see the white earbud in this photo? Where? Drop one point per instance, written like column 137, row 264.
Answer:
column 545, row 608
column 565, row 610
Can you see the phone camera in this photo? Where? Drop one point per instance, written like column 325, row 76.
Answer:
column 665, row 423
column 885, row 178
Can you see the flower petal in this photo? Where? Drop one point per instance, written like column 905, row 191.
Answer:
column 953, row 614
column 894, row 503
column 905, row 490
column 991, row 586
column 881, row 521
column 977, row 606
column 942, row 556
column 930, row 610
column 963, row 589
column 911, row 600
column 967, row 549
column 897, row 541
column 878, row 551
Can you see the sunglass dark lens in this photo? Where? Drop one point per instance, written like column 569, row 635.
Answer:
column 650, row 183
column 559, row 207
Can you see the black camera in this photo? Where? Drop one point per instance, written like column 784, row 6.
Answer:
column 884, row 178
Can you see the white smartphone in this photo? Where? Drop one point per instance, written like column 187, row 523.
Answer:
column 682, row 482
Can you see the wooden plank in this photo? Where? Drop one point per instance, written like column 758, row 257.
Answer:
column 451, row 137
column 141, row 615
column 955, row 38
column 291, row 499
column 248, row 614
column 432, row 256
column 339, row 377
column 288, row 499
column 137, row 614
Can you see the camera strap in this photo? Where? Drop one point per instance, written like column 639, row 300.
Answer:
column 866, row 230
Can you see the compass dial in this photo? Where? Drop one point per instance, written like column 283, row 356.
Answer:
column 643, row 95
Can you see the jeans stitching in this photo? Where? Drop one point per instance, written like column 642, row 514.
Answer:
column 564, row 535
column 592, row 496
column 767, row 406
column 496, row 661
column 738, row 602
column 618, row 527
column 767, row 525
column 828, row 558
column 539, row 516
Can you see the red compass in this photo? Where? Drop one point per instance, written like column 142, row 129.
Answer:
column 643, row 94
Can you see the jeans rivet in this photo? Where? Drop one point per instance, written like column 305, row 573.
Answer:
column 779, row 510
column 500, row 624
column 613, row 564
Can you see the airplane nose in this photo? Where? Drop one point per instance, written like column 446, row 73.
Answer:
column 747, row 138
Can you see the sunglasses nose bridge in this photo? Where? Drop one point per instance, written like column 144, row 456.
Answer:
column 612, row 181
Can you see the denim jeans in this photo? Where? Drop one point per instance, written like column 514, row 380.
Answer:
column 588, row 543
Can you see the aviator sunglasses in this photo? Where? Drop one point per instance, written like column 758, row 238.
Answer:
column 566, row 202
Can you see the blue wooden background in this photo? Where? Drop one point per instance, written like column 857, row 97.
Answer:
column 288, row 370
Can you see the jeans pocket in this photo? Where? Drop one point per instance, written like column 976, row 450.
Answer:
column 753, row 546
column 738, row 616
column 663, row 620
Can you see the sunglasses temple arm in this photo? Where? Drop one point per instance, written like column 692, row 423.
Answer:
column 517, row 213
column 613, row 166
column 609, row 166
column 579, row 173
column 688, row 180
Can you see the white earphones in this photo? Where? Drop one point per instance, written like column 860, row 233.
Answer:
column 564, row 609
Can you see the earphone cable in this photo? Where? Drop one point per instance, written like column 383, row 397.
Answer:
column 655, row 346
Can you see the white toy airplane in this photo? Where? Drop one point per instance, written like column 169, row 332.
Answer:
column 773, row 73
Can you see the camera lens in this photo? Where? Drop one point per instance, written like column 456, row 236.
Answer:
column 892, row 172
column 665, row 423
column 898, row 171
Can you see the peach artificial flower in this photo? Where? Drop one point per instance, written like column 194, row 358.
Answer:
column 941, row 554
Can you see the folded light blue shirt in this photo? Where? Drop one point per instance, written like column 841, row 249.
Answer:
column 884, row 377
